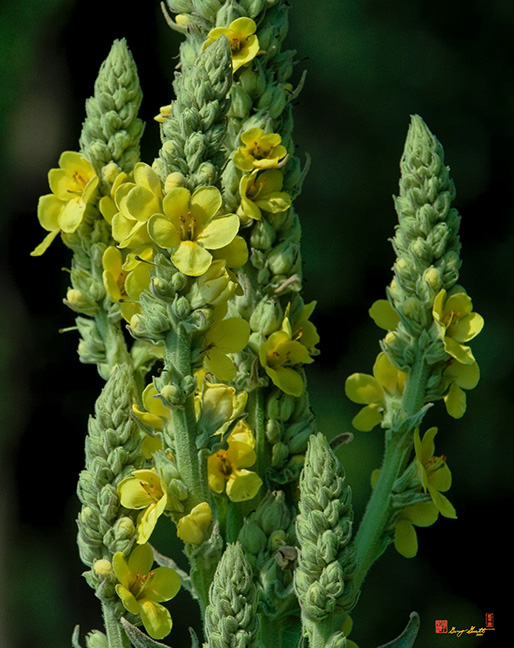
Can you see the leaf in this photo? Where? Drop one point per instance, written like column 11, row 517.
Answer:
column 139, row 639
column 75, row 637
column 408, row 636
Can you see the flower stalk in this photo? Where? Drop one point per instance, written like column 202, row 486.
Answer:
column 186, row 278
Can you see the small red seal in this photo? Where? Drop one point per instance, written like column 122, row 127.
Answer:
column 441, row 626
column 489, row 620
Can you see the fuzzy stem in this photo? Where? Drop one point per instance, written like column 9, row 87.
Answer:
column 371, row 540
column 115, row 346
column 183, row 420
column 116, row 637
column 256, row 421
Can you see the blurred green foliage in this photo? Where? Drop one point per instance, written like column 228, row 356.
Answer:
column 371, row 64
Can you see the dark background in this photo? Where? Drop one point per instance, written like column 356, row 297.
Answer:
column 371, row 64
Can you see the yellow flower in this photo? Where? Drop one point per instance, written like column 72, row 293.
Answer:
column 304, row 330
column 164, row 114
column 422, row 514
column 74, row 187
column 191, row 226
column 243, row 41
column 384, row 315
column 125, row 281
column 373, row 391
column 227, row 469
column 144, row 490
column 280, row 355
column 228, row 335
column 260, row 150
column 217, row 406
column 136, row 201
column 433, row 472
column 107, row 204
column 192, row 527
column 142, row 590
column 462, row 376
column 457, row 324
column 215, row 286
column 154, row 414
column 262, row 191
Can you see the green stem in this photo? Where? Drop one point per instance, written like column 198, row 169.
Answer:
column 183, row 420
column 116, row 637
column 256, row 420
column 115, row 346
column 371, row 539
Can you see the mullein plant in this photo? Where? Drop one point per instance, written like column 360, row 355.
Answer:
column 186, row 281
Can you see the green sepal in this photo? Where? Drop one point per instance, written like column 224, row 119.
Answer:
column 408, row 636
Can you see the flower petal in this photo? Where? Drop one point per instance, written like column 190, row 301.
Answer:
column 384, row 315
column 235, row 253
column 205, row 203
column 48, row 210
column 45, row 244
column 364, row 389
column 455, row 401
column 121, row 569
column 128, row 599
column 191, row 259
column 141, row 203
column 463, row 375
column 71, row 215
column 243, row 485
column 218, row 363
column 466, row 328
column 405, row 539
column 460, row 352
column 423, row 514
column 163, row 231
column 219, row 232
column 156, row 619
column 141, row 559
column 164, row 585
column 368, row 417
column 443, row 504
column 287, row 379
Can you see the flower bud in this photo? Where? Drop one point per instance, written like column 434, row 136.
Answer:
column 241, row 102
column 80, row 302
column 252, row 538
column 282, row 258
column 274, row 429
column 280, row 405
column 173, row 180
column 267, row 316
column 279, row 454
column 181, row 308
column 263, row 235
column 102, row 567
column 96, row 639
column 273, row 513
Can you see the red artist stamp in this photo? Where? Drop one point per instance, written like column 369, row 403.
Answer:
column 489, row 620
column 441, row 626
